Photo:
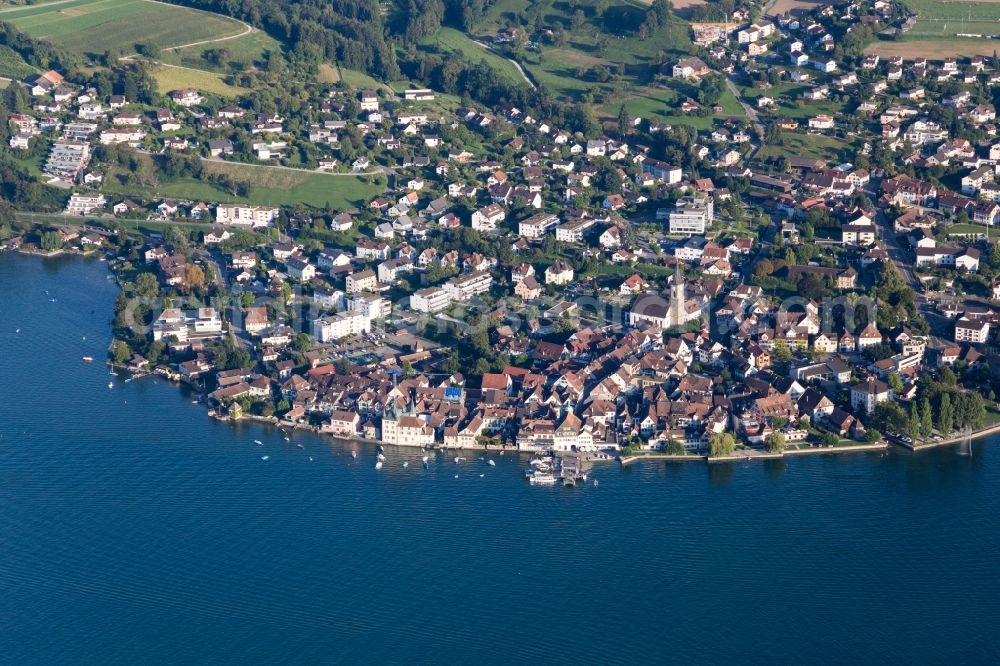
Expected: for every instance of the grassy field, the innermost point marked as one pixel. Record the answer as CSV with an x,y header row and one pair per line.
x,y
811,146
269,186
450,39
589,44
946,19
94,26
244,52
328,73
174,78
790,101
663,104
361,81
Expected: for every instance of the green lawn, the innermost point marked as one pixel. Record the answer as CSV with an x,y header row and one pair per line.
x,y
945,19
244,52
269,186
94,26
449,39
961,229
812,146
663,103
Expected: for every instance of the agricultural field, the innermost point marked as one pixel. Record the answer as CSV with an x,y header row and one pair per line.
x,y
328,73
94,26
174,78
12,65
270,186
361,81
934,49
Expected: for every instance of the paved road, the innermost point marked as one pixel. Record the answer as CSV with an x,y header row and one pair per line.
x,y
897,254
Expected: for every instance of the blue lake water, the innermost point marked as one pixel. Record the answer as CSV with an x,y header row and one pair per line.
x,y
134,529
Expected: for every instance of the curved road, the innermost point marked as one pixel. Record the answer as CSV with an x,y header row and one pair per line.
x,y
517,65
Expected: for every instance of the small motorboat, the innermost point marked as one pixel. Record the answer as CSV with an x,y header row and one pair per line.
x,y
310,459
287,440
111,385
491,463
258,442
595,483
299,446
456,476
481,475
378,465
425,459
459,459
265,457
354,454
381,457
406,463
88,359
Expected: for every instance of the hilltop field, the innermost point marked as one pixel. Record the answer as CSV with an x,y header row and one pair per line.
x,y
605,54
95,26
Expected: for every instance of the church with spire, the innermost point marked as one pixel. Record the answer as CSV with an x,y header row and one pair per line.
x,y
678,311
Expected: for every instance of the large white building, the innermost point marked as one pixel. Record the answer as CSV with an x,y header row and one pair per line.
x,y
866,395
572,232
203,322
245,216
340,325
85,204
430,300
406,431
536,225
67,160
691,216
372,306
464,287
976,331
488,217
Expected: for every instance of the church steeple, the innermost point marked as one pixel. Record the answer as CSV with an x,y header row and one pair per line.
x,y
676,314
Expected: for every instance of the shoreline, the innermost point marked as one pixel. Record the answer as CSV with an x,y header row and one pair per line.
x,y
882,445
607,455
954,439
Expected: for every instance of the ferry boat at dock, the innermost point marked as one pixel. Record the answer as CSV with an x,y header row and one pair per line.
x,y
543,479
